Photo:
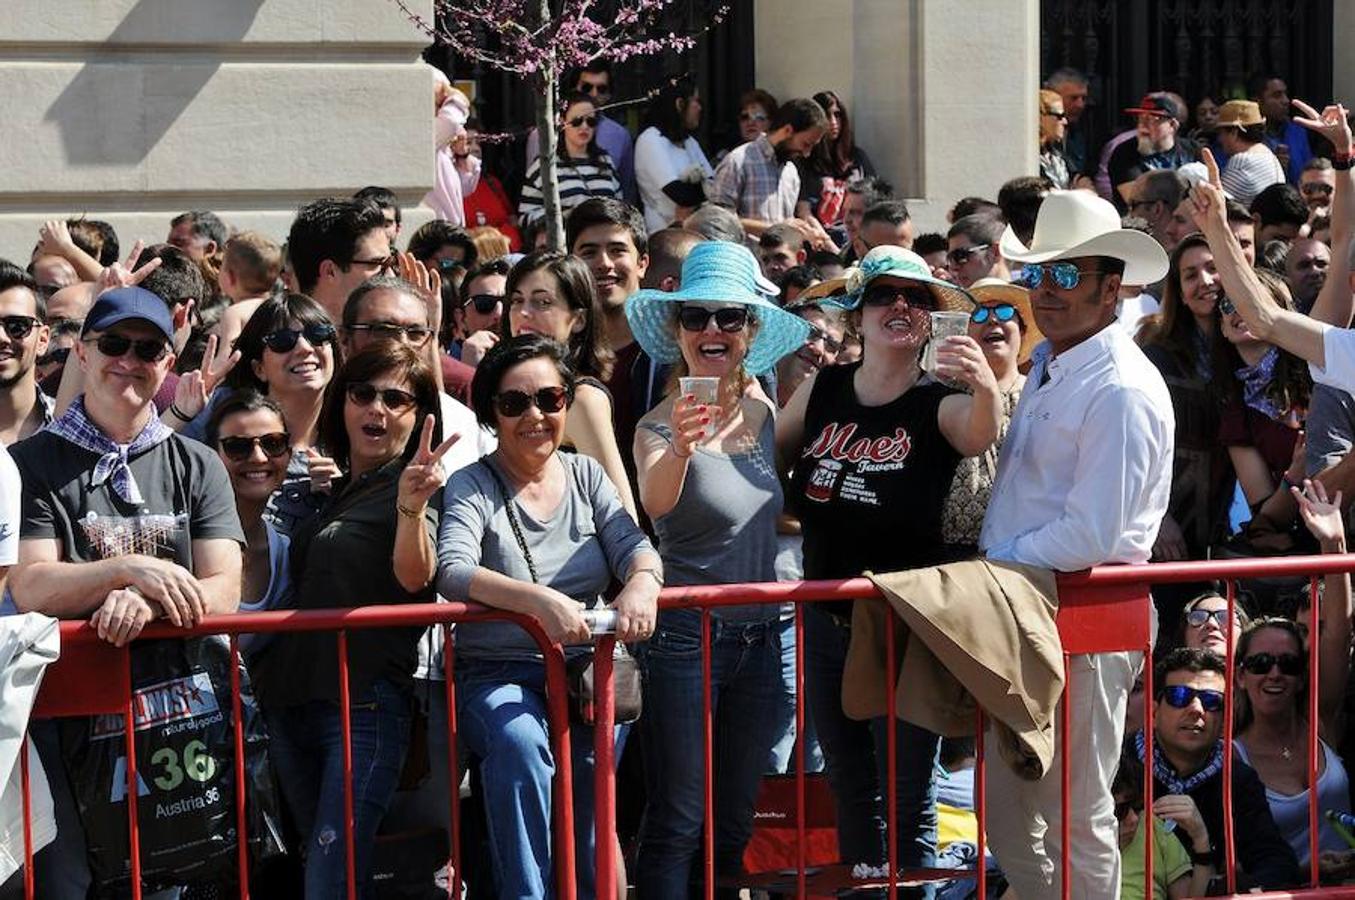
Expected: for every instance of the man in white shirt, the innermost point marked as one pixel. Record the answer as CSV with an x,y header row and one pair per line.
x,y
1083,480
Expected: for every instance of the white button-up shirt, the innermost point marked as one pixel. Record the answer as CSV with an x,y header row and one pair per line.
x,y
1338,349
1085,473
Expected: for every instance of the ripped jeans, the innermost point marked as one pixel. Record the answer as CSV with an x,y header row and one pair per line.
x,y
306,746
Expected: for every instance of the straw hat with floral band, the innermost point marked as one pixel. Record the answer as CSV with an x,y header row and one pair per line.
x,y
716,272
831,293
992,294
888,260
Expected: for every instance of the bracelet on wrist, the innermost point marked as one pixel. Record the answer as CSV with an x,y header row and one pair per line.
x,y
179,414
407,512
673,447
1342,163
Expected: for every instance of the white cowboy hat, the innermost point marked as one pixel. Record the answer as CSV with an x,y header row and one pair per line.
x,y
1079,223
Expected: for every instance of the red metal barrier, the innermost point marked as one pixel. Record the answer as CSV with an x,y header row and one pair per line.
x,y
1103,610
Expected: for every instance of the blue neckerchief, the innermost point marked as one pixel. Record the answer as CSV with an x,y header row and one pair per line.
x,y
1174,783
1256,379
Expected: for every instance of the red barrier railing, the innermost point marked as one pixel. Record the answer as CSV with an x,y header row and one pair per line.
x,y
1105,610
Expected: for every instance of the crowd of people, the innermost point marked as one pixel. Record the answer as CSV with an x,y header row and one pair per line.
x,y
728,374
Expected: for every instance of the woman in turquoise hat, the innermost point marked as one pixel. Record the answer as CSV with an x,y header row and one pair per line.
x,y
707,477
873,449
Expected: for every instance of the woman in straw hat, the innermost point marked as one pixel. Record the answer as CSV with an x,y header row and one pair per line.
x,y
874,451
1004,326
706,469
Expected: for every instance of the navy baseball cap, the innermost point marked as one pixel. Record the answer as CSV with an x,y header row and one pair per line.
x,y
1159,103
122,304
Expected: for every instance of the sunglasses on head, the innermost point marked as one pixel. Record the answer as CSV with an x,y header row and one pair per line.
x,y
484,303
512,404
728,319
113,345
579,121
1001,312
18,327
1226,306
415,334
960,255
284,339
394,399
238,448
1197,618
1179,696
1261,663
1063,275
914,295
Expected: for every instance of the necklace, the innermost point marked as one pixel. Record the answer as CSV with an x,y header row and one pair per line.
x,y
1286,754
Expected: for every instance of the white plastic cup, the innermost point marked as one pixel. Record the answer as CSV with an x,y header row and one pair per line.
x,y
706,390
945,323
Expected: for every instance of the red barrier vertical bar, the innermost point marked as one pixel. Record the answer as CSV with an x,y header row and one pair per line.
x,y
241,827
891,752
28,820
708,758
1065,775
346,724
604,767
129,744
453,761
981,803
801,848
1229,851
1146,818
1314,640
557,712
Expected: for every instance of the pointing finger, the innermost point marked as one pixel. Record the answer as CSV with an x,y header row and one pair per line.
x,y
1305,109
1211,166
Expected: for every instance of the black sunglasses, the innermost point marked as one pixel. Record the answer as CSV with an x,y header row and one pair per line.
x,y
450,265
1261,663
284,339
1315,187
1002,312
114,345
56,356
1179,696
415,334
18,327
586,87
728,319
753,117
1124,807
385,262
273,445
512,404
394,399
590,121
1198,618
484,303
830,343
916,296
960,255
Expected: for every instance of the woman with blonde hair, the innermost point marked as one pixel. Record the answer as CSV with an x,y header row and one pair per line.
x,y
1053,131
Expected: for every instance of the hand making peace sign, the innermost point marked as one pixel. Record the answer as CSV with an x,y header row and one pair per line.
x,y
424,473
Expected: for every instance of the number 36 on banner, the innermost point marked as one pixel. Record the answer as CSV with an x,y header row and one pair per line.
x,y
168,770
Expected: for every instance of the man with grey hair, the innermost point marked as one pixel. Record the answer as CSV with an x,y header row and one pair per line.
x,y
1071,85
972,249
716,223
1154,197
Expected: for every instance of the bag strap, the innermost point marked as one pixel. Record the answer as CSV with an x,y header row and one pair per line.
x,y
513,521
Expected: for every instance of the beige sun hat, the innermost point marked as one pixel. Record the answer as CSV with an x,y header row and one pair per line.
x,y
1071,224
988,291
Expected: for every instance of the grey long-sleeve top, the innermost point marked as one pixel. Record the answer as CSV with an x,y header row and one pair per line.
x,y
587,542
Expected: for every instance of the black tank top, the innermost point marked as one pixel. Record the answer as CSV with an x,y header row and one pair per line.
x,y
870,481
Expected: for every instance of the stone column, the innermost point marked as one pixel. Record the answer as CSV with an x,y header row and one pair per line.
x,y
943,95
136,110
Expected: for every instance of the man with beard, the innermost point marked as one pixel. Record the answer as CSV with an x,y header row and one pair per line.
x,y
23,338
759,180
1156,146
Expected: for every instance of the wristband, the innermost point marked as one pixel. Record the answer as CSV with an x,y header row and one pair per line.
x,y
406,512
179,414
1342,163
1200,857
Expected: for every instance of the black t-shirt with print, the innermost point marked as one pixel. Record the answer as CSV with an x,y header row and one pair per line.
x,y
871,480
186,492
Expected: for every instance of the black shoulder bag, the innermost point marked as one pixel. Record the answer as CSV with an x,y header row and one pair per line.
x,y
579,669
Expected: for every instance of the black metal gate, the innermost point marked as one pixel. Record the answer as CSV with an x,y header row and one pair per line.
x,y
1192,47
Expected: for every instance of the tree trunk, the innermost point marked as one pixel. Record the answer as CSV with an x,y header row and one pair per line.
x,y
545,128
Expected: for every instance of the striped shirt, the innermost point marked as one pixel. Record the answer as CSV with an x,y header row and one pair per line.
x,y
578,180
755,185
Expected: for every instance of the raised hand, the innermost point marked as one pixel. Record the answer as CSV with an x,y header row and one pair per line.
x,y
1208,203
54,238
689,422
196,385
127,274
428,283
323,470
959,358
424,473
474,347
1331,123
1321,514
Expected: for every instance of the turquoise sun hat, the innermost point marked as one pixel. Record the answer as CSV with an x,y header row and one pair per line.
x,y
897,262
717,272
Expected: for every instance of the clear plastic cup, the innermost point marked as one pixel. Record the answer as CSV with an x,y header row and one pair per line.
x,y
706,390
944,324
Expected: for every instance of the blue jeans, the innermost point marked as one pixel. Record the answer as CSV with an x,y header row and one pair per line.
x,y
856,754
501,711
306,746
748,707
783,751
